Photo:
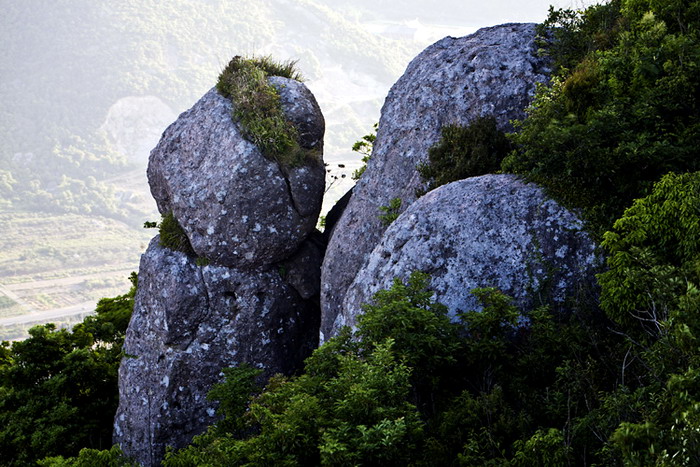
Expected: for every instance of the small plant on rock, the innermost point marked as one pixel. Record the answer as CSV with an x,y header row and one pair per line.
x,y
364,147
391,211
257,106
172,235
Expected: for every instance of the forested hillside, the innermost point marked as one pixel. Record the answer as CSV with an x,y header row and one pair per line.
x,y
66,63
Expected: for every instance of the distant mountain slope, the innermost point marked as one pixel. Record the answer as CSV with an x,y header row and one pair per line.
x,y
87,88
65,63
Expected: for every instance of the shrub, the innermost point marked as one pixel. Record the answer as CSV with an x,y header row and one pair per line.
x,y
465,151
113,457
567,36
173,236
621,116
257,107
58,388
364,147
654,253
390,211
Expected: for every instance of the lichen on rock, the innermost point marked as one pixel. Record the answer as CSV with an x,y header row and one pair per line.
x,y
237,277
188,323
238,208
488,231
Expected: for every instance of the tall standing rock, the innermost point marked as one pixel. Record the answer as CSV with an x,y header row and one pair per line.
x,y
488,231
250,292
492,72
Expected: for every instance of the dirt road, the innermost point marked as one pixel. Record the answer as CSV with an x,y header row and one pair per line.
x,y
49,315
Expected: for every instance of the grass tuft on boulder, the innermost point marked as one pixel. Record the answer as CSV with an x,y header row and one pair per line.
x,y
257,106
173,236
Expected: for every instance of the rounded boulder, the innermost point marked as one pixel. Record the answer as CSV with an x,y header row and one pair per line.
x,y
489,231
237,207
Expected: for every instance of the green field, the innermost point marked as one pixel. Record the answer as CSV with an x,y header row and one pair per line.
x,y
50,262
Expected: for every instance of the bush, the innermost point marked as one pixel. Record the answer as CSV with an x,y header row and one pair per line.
x,y
172,235
622,116
465,151
58,388
364,147
652,290
654,253
390,212
568,36
113,457
412,387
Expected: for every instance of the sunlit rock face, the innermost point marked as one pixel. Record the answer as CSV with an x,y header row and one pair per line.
x,y
488,231
239,208
191,321
492,72
248,294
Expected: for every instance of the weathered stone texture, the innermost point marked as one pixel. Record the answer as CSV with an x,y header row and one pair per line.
x,y
257,300
189,322
239,208
492,72
488,231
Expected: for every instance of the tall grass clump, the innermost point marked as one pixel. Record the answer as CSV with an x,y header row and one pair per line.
x,y
173,236
257,106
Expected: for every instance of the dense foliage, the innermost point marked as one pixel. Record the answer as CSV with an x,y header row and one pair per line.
x,y
465,151
653,290
623,109
58,388
410,386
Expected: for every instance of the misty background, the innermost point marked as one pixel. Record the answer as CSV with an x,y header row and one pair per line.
x,y
87,88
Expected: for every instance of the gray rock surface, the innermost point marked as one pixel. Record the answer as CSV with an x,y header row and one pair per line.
x,y
491,72
488,231
238,208
302,110
189,322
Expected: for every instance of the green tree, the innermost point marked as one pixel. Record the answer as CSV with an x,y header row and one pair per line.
x,y
654,253
602,132
465,151
58,388
652,291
